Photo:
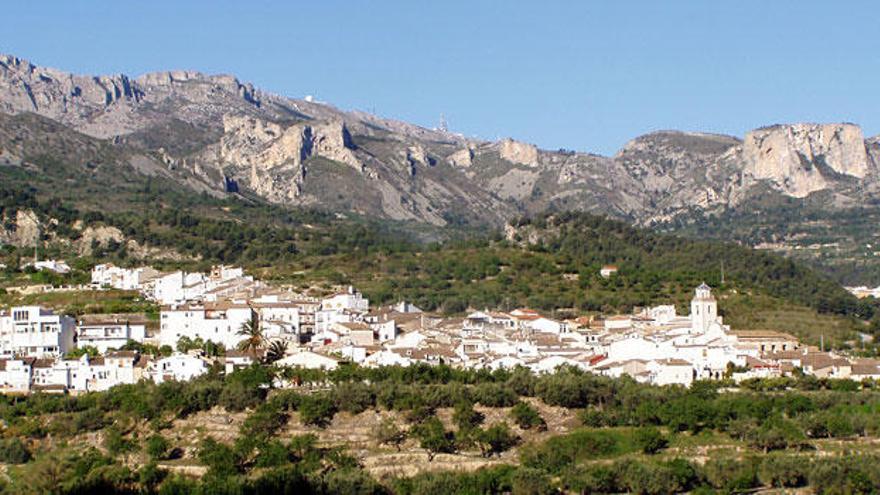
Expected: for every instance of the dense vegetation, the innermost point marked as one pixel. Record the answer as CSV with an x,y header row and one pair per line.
x,y
552,263
632,437
838,242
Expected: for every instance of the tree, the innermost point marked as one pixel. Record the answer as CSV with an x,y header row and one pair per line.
x,y
317,410
252,332
465,417
434,438
14,451
496,439
388,433
157,447
526,417
650,440
276,351
221,460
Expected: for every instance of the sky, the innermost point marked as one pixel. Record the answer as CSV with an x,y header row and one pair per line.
x,y
579,75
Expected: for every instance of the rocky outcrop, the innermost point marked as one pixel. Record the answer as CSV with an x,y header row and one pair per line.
x,y
59,95
518,152
333,141
274,155
215,134
22,230
804,158
98,236
461,158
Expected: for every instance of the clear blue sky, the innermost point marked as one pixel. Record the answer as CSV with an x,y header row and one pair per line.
x,y
578,75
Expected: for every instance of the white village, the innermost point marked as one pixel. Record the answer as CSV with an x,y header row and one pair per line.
x,y
652,345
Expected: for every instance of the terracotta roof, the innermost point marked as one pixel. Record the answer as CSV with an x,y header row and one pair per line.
x,y
673,362
123,354
51,386
865,369
113,319
43,363
762,334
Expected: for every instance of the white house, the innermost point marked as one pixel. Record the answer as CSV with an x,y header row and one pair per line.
x,y
178,287
309,360
109,275
178,367
671,371
218,322
15,374
547,325
618,322
37,332
106,332
350,299
607,271
386,358
57,266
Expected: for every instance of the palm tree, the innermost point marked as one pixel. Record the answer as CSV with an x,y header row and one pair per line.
x,y
277,350
253,335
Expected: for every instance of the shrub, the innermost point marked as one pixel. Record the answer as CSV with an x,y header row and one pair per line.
x,y
496,439
433,437
316,410
14,451
495,395
731,475
354,397
783,471
157,447
352,481
465,417
272,454
528,481
389,433
115,442
526,417
649,440
264,422
221,459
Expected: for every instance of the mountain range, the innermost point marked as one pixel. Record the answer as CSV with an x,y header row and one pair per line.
x,y
216,135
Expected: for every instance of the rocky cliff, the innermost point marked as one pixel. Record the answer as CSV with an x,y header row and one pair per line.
x,y
803,158
217,134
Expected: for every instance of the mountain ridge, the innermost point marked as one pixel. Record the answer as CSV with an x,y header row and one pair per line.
x,y
228,136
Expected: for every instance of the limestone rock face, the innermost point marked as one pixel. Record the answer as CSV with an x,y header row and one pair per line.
x,y
802,158
461,158
519,152
23,230
59,95
332,141
274,154
101,236
215,134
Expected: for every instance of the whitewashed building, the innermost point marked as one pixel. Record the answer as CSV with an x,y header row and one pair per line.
x,y
178,367
218,322
36,332
107,332
109,275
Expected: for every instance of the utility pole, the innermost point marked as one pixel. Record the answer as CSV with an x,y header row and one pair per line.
x,y
722,272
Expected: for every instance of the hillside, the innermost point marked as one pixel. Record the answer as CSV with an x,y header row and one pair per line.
x,y
100,140
437,430
549,262
218,133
